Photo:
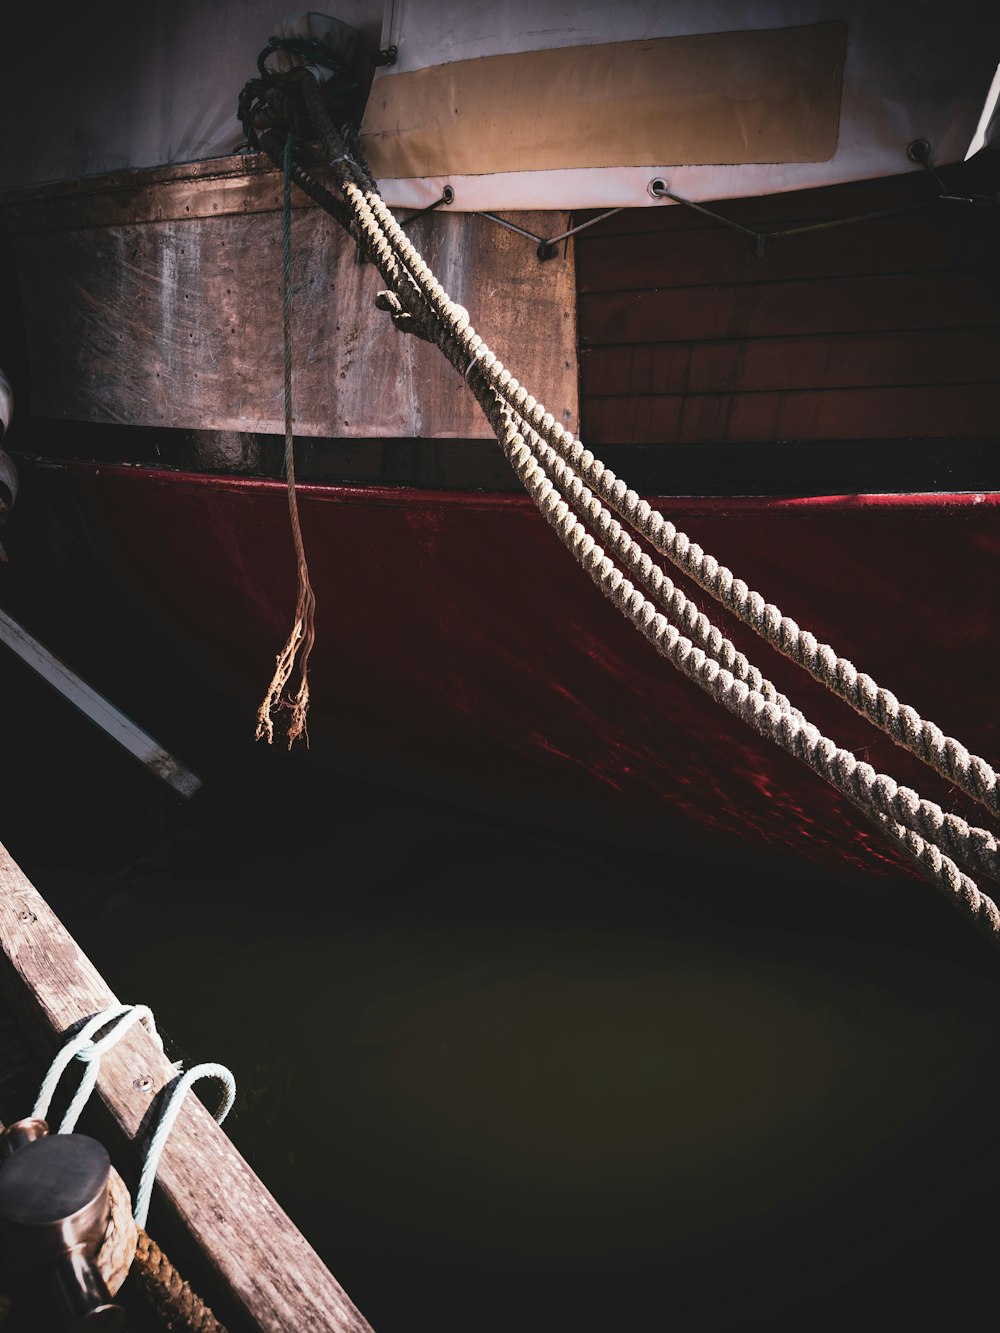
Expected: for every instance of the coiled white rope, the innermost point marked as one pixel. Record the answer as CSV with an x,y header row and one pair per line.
x,y
87,1047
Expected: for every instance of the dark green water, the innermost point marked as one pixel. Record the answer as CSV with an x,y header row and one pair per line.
x,y
506,1081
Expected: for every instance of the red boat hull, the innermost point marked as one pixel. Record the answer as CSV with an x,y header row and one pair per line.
x,y
459,648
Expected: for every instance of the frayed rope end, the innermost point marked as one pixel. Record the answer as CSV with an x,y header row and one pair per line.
x,y
275,701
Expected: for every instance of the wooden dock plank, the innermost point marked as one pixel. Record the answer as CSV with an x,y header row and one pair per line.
x,y
274,1276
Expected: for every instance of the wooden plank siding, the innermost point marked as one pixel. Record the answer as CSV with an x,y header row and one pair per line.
x,y
887,328
152,298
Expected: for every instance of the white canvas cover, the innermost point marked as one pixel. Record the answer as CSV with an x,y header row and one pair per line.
x,y
113,84
913,69
121,83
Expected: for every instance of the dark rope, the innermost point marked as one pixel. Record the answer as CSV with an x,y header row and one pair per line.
x,y
286,301
313,52
273,144
168,1293
300,641
274,101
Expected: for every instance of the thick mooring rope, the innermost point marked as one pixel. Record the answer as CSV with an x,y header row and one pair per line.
x,y
902,723
787,729
534,442
976,846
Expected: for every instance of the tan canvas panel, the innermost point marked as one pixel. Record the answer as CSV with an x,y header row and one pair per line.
x,y
730,97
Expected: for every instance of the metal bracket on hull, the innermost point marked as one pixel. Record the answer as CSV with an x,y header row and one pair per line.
x,y
546,245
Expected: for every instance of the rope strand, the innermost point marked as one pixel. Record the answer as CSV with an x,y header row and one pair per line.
x,y
300,641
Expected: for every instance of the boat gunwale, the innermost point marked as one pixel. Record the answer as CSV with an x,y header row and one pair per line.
x,y
422,497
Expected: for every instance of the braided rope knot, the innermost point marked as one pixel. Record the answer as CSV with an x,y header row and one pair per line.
x,y
404,320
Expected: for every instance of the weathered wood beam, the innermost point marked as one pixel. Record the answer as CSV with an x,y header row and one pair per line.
x,y
273,1276
95,706
170,313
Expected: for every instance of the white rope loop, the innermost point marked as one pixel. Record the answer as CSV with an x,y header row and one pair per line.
x,y
82,1046
168,1116
88,1047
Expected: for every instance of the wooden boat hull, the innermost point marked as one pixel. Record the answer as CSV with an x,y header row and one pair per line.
x,y
848,372
460,650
